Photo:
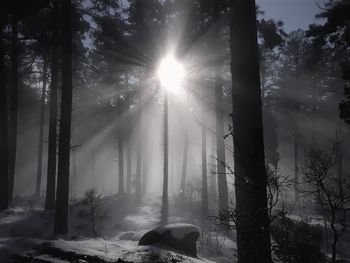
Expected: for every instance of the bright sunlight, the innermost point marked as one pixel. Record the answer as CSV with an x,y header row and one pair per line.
x,y
171,73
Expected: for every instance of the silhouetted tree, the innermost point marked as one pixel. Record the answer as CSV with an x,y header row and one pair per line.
x,y
52,147
4,175
61,209
252,222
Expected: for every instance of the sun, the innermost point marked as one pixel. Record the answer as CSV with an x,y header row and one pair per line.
x,y
171,73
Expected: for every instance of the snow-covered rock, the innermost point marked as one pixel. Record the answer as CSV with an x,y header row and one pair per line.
x,y
181,237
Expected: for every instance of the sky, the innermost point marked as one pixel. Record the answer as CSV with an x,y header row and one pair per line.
x,y
294,13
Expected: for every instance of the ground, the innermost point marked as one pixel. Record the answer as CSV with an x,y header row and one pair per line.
x,y
26,232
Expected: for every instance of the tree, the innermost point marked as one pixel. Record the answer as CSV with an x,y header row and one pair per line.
x,y
253,234
52,148
331,192
13,112
219,113
61,211
41,129
4,175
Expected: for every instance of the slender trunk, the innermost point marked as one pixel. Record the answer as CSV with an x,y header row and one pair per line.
x,y
128,167
13,104
220,144
138,186
204,172
145,158
41,132
121,165
144,167
296,163
166,164
252,222
213,172
138,173
52,147
184,166
4,175
61,212
335,237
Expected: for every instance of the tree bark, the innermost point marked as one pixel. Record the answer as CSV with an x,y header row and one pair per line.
x,y
13,104
4,175
253,233
41,131
52,147
61,212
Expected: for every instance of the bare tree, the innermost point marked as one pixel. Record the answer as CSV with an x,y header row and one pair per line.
x,y
332,193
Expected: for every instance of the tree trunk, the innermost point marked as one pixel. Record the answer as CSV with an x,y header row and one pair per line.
x,y
138,185
61,213
121,164
204,172
128,167
184,165
252,222
13,104
4,175
52,148
166,162
220,144
213,172
296,163
41,131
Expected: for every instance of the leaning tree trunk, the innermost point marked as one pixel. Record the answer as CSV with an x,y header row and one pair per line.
x,y
61,211
41,132
252,222
4,175
13,104
52,148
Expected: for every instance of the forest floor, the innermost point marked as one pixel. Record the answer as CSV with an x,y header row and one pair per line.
x,y
26,234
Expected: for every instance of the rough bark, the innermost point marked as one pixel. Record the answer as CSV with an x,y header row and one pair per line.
x,y
52,147
41,131
13,103
4,175
253,235
61,211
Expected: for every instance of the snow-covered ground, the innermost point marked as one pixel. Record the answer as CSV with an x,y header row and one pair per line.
x,y
28,231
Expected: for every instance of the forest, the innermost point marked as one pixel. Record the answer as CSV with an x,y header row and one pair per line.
x,y
173,131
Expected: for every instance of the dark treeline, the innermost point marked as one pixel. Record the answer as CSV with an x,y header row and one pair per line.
x,y
260,131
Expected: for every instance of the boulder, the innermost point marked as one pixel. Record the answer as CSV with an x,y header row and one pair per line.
x,y
181,237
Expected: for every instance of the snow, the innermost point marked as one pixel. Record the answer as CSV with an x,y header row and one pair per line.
x,y
24,229
111,251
